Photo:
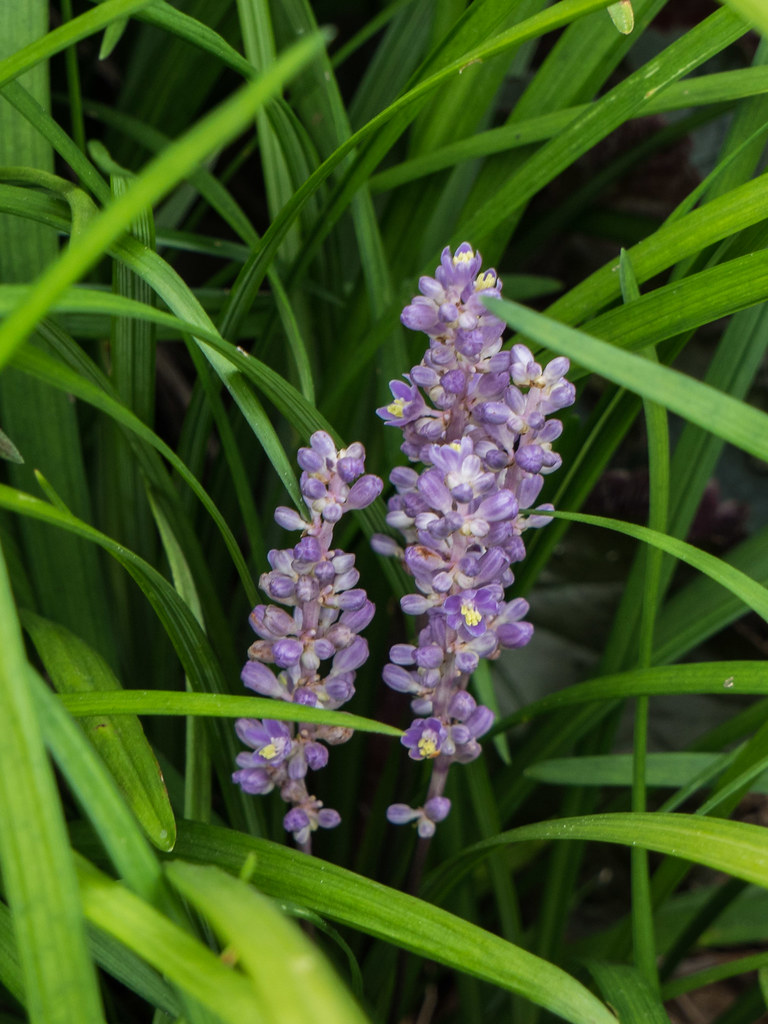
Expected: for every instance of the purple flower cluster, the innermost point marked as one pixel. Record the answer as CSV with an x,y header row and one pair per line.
x,y
475,416
312,641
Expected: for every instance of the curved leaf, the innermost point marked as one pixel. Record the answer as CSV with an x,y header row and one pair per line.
x,y
74,667
294,982
403,920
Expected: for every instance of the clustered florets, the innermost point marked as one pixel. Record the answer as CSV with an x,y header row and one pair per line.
x,y
475,417
326,611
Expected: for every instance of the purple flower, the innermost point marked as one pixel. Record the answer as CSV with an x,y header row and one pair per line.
x,y
319,583
424,739
468,611
476,418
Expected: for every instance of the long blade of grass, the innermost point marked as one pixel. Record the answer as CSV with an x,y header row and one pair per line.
x,y
193,968
293,981
385,913
716,677
157,179
214,705
74,667
38,871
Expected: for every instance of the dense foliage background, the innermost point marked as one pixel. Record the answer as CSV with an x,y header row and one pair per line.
x,y
213,212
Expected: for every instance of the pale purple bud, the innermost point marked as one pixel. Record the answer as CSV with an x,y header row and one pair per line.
x,y
308,550
306,589
349,469
461,706
289,519
401,814
437,808
322,442
351,657
467,661
514,634
364,491
357,619
402,654
255,781
312,488
295,820
398,679
415,604
332,512
316,755
261,679
328,818
309,460
287,652
480,721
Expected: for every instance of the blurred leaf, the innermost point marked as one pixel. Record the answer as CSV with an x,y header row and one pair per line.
x,y
38,872
8,449
293,981
183,960
385,913
74,667
628,993
622,16
217,705
721,677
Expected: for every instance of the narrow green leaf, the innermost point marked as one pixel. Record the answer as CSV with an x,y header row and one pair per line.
x,y
663,770
293,981
628,994
74,667
752,11
214,705
182,959
66,35
157,179
717,677
403,920
8,449
734,847
622,16
38,872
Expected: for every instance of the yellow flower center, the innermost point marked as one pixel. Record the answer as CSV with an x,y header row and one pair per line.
x,y
428,747
463,257
472,616
269,751
396,408
455,445
486,280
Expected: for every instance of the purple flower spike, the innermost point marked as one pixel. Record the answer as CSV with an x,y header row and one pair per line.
x,y
319,584
475,417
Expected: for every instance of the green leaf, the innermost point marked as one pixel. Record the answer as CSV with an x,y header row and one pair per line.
x,y
664,770
293,981
734,847
628,994
74,667
38,872
719,677
622,16
181,959
156,179
8,449
752,11
215,705
403,920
